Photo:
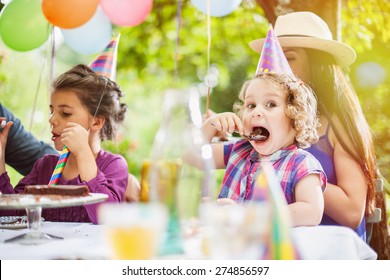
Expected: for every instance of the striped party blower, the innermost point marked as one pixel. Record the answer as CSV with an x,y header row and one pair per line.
x,y
55,177
267,187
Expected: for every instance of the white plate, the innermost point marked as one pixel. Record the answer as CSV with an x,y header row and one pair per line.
x,y
19,201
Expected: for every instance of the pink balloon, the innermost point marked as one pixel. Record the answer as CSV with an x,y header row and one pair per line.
x,y
127,12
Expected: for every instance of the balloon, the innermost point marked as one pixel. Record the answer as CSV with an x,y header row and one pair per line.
x,y
69,13
91,37
127,12
218,8
23,26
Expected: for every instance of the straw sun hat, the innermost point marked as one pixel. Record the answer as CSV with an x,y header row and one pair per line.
x,y
307,30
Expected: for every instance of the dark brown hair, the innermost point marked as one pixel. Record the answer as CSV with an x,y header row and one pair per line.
x,y
337,97
98,94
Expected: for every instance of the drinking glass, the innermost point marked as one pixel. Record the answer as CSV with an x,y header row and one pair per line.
x,y
236,231
181,164
134,231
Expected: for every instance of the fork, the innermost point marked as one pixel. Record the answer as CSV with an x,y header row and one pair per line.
x,y
10,220
253,137
257,137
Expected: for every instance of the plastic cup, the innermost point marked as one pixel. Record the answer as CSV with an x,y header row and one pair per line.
x,y
134,231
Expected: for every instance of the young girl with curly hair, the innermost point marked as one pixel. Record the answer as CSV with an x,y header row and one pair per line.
x,y
277,117
345,148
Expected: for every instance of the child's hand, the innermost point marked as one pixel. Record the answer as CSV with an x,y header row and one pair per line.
x,y
75,137
226,201
224,122
4,130
222,136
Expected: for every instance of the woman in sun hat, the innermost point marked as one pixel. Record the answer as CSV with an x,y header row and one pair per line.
x,y
345,149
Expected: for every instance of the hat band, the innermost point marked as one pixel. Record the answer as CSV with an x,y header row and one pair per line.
x,y
303,36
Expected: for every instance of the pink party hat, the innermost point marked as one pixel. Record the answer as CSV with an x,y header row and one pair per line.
x,y
272,58
105,63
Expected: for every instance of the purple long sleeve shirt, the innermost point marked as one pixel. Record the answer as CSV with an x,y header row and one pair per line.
x,y
111,179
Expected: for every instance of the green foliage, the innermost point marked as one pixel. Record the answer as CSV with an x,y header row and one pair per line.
x,y
366,27
152,58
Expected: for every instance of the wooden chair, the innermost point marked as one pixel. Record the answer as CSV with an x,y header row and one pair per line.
x,y
377,227
376,216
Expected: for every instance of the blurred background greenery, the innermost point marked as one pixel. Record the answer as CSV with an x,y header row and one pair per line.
x,y
152,57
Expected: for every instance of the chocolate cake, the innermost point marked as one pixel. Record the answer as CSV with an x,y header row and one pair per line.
x,y
57,190
256,131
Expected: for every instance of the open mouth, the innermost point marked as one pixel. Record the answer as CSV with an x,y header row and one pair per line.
x,y
259,134
54,136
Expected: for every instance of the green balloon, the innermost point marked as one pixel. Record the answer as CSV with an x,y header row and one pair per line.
x,y
23,26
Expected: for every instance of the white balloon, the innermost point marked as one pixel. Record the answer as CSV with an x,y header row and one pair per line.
x,y
218,8
92,37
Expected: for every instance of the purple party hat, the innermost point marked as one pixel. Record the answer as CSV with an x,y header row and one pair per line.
x,y
272,58
105,63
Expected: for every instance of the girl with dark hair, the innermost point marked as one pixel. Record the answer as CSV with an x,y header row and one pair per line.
x,y
85,109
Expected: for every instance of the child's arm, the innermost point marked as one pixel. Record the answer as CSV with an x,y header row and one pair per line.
x,y
308,208
226,201
112,179
133,189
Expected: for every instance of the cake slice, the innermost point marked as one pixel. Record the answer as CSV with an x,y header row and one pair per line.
x,y
57,190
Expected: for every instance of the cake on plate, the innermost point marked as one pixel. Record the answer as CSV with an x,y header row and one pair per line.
x,y
57,190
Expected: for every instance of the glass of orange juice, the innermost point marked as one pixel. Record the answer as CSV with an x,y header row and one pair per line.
x,y
134,231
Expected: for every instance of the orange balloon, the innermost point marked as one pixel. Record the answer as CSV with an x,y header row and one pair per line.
x,y
69,13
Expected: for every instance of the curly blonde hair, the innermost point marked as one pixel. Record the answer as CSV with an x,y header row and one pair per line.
x,y
301,105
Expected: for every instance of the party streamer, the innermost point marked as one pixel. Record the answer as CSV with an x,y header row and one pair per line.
x,y
267,187
55,177
208,56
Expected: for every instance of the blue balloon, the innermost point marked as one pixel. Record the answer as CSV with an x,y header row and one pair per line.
x,y
92,37
218,8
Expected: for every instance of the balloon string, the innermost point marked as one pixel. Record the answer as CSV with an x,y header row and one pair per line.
x,y
36,97
40,79
208,56
208,35
177,43
53,51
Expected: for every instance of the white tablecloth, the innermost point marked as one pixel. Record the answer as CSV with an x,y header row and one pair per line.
x,y
86,241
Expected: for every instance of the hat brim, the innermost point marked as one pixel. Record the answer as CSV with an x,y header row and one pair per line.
x,y
343,54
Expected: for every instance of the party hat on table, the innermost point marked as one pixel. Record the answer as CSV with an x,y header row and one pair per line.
x,y
55,177
272,58
267,187
105,63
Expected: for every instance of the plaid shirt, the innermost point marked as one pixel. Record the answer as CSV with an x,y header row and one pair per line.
x,y
242,161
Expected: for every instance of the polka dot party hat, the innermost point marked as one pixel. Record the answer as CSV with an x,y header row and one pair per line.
x,y
272,58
